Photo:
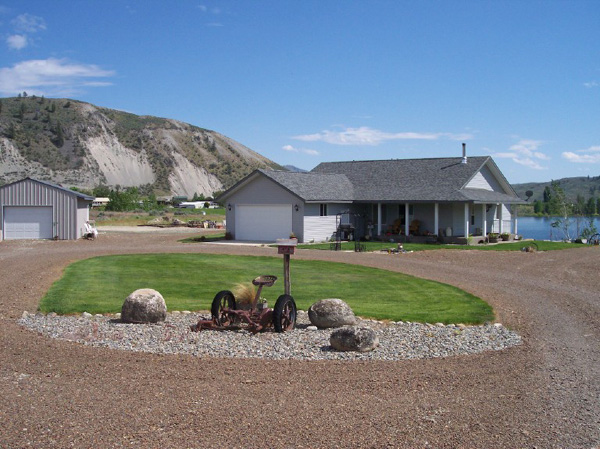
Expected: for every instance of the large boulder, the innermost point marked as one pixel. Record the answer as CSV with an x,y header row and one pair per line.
x,y
144,306
331,313
354,338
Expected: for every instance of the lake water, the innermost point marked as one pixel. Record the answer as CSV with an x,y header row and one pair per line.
x,y
539,228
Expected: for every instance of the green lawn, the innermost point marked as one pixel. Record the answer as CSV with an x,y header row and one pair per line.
x,y
511,246
190,281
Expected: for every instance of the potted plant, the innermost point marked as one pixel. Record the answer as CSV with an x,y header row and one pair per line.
x,y
505,236
262,304
493,237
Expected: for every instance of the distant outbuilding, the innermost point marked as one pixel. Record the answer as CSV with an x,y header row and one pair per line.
x,y
33,209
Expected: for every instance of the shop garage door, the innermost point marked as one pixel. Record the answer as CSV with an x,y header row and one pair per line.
x,y
263,222
27,222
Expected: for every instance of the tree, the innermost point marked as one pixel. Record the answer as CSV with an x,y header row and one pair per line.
x,y
59,140
579,206
538,207
529,194
123,200
547,194
101,191
22,110
559,206
590,206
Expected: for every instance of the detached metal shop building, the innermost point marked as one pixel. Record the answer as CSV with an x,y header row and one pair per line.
x,y
33,209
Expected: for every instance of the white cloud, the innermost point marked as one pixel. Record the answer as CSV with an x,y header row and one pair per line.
x,y
293,149
591,84
17,41
588,156
525,152
26,23
50,77
369,136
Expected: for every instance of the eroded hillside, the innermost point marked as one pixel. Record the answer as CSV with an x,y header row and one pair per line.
x,y
79,144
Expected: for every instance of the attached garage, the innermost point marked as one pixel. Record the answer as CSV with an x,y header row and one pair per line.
x,y
263,222
33,209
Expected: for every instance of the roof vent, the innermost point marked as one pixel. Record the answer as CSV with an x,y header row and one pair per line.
x,y
464,158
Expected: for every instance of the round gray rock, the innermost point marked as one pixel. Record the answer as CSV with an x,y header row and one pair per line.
x,y
353,338
331,313
144,306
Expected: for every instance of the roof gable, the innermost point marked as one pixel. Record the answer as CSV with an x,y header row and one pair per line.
x,y
305,185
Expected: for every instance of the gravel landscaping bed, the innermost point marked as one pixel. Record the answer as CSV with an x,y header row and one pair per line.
x,y
398,340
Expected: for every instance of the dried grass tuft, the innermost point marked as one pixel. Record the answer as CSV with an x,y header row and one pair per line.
x,y
244,293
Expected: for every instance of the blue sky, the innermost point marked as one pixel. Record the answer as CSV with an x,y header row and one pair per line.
x,y
303,82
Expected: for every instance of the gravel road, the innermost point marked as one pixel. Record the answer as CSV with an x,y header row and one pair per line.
x,y
544,393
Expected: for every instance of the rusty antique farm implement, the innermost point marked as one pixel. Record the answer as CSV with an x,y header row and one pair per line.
x,y
227,314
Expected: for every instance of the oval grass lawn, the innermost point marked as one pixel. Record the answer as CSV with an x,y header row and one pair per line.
x,y
190,282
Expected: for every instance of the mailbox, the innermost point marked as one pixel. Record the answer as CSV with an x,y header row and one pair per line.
x,y
286,246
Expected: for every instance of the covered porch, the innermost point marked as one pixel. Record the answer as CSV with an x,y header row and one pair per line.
x,y
447,222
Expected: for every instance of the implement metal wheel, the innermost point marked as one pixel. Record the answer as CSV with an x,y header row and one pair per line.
x,y
531,247
594,240
223,300
284,314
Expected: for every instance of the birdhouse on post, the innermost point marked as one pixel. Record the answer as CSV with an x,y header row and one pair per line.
x,y
286,247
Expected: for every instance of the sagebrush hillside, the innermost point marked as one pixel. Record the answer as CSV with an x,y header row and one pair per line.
x,y
82,145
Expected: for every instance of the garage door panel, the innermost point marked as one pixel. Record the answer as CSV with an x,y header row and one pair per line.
x,y
27,222
263,222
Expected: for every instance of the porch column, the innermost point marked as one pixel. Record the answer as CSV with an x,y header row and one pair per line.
x,y
515,225
436,219
466,219
484,212
406,220
378,218
500,219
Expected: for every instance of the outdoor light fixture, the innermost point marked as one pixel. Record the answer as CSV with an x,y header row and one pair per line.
x,y
228,206
296,207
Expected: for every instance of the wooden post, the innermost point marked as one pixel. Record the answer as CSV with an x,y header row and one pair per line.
x,y
286,274
286,247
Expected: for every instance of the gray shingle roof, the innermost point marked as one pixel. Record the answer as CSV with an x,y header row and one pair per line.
x,y
394,181
435,179
314,186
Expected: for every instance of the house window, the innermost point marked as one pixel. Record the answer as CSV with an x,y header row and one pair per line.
x,y
323,210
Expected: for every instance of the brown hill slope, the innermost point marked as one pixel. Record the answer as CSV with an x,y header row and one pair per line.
x,y
82,145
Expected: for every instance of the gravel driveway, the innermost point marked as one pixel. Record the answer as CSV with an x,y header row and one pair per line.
x,y
544,393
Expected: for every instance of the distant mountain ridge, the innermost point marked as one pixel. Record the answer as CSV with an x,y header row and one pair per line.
x,y
81,145
586,186
294,169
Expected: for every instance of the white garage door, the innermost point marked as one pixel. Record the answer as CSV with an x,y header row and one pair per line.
x,y
27,222
263,222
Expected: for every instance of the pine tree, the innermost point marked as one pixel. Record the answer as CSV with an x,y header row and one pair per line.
x,y
59,140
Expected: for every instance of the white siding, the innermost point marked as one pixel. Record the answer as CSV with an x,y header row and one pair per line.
x,y
319,229
485,180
